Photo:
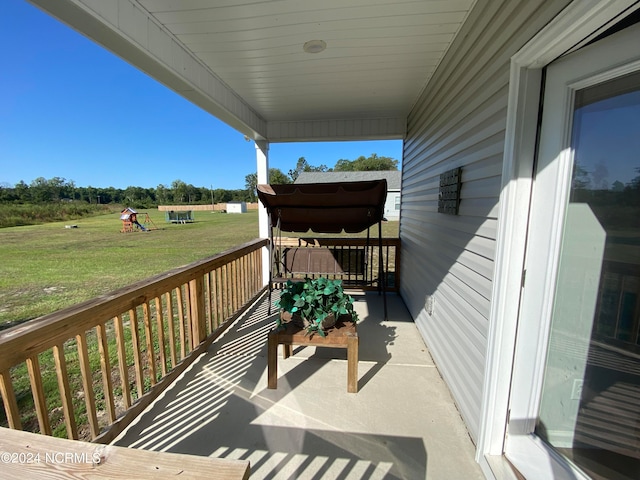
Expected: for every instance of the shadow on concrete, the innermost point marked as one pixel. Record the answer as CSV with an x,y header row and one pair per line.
x,y
221,407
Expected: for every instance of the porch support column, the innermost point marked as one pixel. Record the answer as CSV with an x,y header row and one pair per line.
x,y
262,160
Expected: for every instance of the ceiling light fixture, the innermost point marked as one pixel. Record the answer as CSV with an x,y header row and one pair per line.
x,y
314,46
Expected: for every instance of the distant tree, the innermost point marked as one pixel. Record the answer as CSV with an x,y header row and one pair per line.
x,y
277,177
251,182
303,166
221,195
58,188
366,164
179,189
7,193
92,194
40,191
191,194
635,182
23,193
617,186
162,194
581,178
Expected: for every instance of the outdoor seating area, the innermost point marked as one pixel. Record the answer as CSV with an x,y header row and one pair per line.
x,y
310,426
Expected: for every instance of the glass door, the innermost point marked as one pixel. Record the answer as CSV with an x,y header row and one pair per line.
x,y
575,407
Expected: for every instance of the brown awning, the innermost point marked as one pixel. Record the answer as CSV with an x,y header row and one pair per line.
x,y
325,207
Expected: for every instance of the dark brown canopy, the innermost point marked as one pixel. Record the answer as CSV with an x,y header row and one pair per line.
x,y
325,207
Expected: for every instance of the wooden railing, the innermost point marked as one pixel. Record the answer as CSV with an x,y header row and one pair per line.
x,y
357,260
36,457
92,368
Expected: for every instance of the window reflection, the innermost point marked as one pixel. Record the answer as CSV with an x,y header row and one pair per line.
x,y
591,396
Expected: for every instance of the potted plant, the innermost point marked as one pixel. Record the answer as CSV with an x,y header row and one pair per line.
x,y
315,303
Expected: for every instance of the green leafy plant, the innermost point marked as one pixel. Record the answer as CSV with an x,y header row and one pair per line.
x,y
313,300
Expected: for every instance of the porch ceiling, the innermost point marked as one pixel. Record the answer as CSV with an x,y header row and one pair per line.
x,y
243,60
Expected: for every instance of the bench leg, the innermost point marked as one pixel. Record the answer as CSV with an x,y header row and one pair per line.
x,y
287,350
352,363
272,360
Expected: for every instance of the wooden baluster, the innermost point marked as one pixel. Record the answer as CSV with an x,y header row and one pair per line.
x,y
135,345
233,290
198,319
257,272
235,279
249,274
209,312
148,331
183,340
39,400
247,277
171,328
219,293
188,329
161,339
105,367
87,384
223,293
214,297
65,391
9,400
228,283
242,274
122,362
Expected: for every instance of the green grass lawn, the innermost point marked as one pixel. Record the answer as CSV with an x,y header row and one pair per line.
x,y
48,267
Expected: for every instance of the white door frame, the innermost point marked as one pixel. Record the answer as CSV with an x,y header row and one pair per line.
x,y
580,20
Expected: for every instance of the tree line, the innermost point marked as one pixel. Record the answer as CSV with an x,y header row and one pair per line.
x,y
60,190
57,189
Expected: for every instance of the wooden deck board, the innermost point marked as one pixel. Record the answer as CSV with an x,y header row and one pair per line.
x,y
33,456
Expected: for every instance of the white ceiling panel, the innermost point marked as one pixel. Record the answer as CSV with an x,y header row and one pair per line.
x,y
379,53
243,60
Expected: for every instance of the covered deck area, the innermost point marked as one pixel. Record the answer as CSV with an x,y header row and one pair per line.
x,y
402,423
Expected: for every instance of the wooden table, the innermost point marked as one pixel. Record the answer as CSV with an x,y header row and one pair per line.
x,y
342,335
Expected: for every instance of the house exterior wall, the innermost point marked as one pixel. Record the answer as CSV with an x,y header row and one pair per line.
x,y
448,261
390,210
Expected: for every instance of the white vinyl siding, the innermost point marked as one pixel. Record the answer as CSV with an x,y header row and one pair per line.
x,y
459,121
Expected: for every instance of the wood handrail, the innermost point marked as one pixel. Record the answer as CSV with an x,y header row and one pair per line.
x,y
28,455
336,241
191,295
23,341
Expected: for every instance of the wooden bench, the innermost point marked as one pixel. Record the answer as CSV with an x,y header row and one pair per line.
x,y
346,264
342,335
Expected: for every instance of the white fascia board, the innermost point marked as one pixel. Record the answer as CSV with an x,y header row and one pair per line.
x,y
128,31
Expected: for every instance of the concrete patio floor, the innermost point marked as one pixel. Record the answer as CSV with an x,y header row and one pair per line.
x,y
402,423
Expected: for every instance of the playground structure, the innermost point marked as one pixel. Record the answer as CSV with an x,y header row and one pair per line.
x,y
130,221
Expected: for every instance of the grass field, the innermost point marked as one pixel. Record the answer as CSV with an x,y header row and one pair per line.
x,y
45,268
48,267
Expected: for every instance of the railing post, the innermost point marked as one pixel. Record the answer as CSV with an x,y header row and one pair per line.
x,y
198,316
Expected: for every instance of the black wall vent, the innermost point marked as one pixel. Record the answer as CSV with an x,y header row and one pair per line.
x,y
449,196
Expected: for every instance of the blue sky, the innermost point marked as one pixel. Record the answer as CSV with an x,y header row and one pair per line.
x,y
71,109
